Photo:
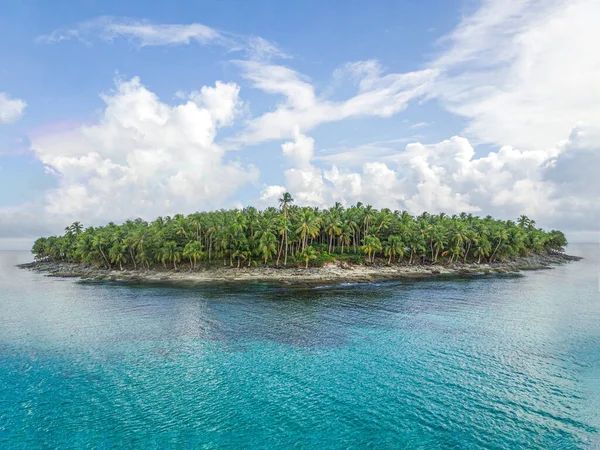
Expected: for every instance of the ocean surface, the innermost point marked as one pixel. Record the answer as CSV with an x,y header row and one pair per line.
x,y
496,362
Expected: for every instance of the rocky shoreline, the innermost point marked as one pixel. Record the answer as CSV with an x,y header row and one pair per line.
x,y
332,273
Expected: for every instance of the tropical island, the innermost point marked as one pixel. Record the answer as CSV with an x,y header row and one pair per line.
x,y
293,244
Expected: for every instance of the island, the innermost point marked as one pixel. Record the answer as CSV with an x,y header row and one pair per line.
x,y
299,245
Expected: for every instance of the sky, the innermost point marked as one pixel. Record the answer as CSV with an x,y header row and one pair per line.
x,y
113,110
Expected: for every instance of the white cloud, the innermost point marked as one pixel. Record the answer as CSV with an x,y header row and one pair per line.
x,y
378,95
352,157
303,179
548,185
144,33
419,125
574,174
522,71
10,109
147,34
271,193
144,157
301,151
260,49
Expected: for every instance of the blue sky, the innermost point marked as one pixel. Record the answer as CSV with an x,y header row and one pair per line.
x,y
412,105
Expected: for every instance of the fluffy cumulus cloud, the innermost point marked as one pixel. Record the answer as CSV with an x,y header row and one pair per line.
x,y
546,184
523,73
574,175
11,109
526,77
144,157
313,186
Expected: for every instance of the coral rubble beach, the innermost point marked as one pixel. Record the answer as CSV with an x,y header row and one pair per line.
x,y
331,273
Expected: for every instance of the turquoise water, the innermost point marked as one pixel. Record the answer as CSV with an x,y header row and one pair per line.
x,y
499,362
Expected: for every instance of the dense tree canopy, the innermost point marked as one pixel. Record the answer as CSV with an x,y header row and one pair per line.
x,y
300,236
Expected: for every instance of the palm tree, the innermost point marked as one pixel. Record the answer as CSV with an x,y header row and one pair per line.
x,y
307,255
372,244
274,233
193,251
285,200
352,226
118,254
170,253
499,235
267,245
283,231
368,215
481,248
345,237
525,222
333,228
438,240
99,243
180,226
308,227
76,228
394,248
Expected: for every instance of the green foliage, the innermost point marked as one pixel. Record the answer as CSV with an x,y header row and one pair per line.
x,y
309,236
322,258
357,260
307,255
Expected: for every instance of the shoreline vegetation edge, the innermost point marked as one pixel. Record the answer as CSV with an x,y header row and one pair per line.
x,y
332,273
314,246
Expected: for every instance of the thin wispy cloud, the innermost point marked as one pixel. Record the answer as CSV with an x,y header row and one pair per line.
x,y
143,33
523,72
379,95
419,125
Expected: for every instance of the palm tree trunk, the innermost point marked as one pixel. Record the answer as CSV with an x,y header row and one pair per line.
x,y
279,251
495,250
467,252
286,249
132,258
105,258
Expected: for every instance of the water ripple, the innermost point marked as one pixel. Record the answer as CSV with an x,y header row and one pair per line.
x,y
492,362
